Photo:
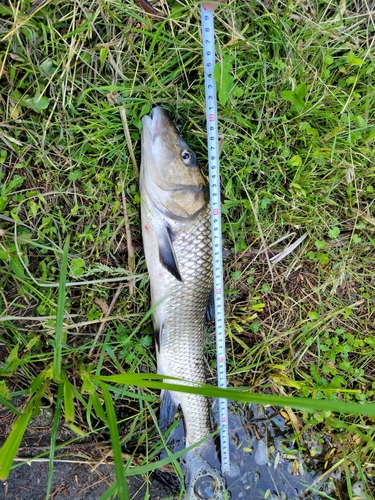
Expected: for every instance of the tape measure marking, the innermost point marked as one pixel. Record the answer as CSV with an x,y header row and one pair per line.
x,y
208,39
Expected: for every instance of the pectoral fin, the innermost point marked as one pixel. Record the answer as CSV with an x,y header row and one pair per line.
x,y
167,255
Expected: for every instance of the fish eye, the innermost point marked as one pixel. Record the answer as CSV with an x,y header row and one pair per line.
x,y
188,157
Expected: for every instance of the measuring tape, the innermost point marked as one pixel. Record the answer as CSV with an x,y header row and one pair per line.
x,y
208,39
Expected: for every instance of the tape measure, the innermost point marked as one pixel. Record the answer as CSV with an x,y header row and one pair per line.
x,y
208,40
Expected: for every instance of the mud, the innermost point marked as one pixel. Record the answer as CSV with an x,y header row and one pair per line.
x,y
80,481
73,481
82,469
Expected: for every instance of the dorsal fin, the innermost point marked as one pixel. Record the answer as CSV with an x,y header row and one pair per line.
x,y
167,255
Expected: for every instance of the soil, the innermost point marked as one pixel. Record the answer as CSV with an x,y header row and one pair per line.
x,y
72,481
82,470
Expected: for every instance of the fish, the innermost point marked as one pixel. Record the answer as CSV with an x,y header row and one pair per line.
x,y
176,230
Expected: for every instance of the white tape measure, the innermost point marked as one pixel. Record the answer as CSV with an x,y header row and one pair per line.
x,y
208,40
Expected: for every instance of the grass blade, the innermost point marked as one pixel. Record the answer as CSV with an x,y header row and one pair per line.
x,y
108,494
305,404
8,405
60,314
68,401
122,487
142,469
55,427
12,443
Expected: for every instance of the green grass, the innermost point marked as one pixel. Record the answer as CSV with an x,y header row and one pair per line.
x,y
297,131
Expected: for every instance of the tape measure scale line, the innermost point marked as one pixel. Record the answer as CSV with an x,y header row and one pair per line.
x,y
208,40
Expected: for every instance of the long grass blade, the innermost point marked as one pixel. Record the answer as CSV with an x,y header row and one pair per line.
x,y
239,394
122,487
12,443
55,427
57,355
142,469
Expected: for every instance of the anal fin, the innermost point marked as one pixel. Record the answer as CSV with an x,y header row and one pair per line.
x,y
168,410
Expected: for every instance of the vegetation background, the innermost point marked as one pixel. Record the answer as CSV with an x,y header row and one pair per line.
x,y
297,129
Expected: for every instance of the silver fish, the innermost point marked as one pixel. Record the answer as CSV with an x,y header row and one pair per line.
x,y
177,243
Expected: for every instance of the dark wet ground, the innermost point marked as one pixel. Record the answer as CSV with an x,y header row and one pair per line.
x,y
267,464
82,470
72,482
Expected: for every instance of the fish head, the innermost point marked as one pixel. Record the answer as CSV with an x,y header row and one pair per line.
x,y
170,175
202,481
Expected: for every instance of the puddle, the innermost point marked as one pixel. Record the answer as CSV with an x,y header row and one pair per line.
x,y
266,461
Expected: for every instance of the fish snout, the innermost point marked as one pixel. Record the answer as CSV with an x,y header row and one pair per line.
x,y
159,121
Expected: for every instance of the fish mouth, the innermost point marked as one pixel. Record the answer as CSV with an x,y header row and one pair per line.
x,y
154,122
